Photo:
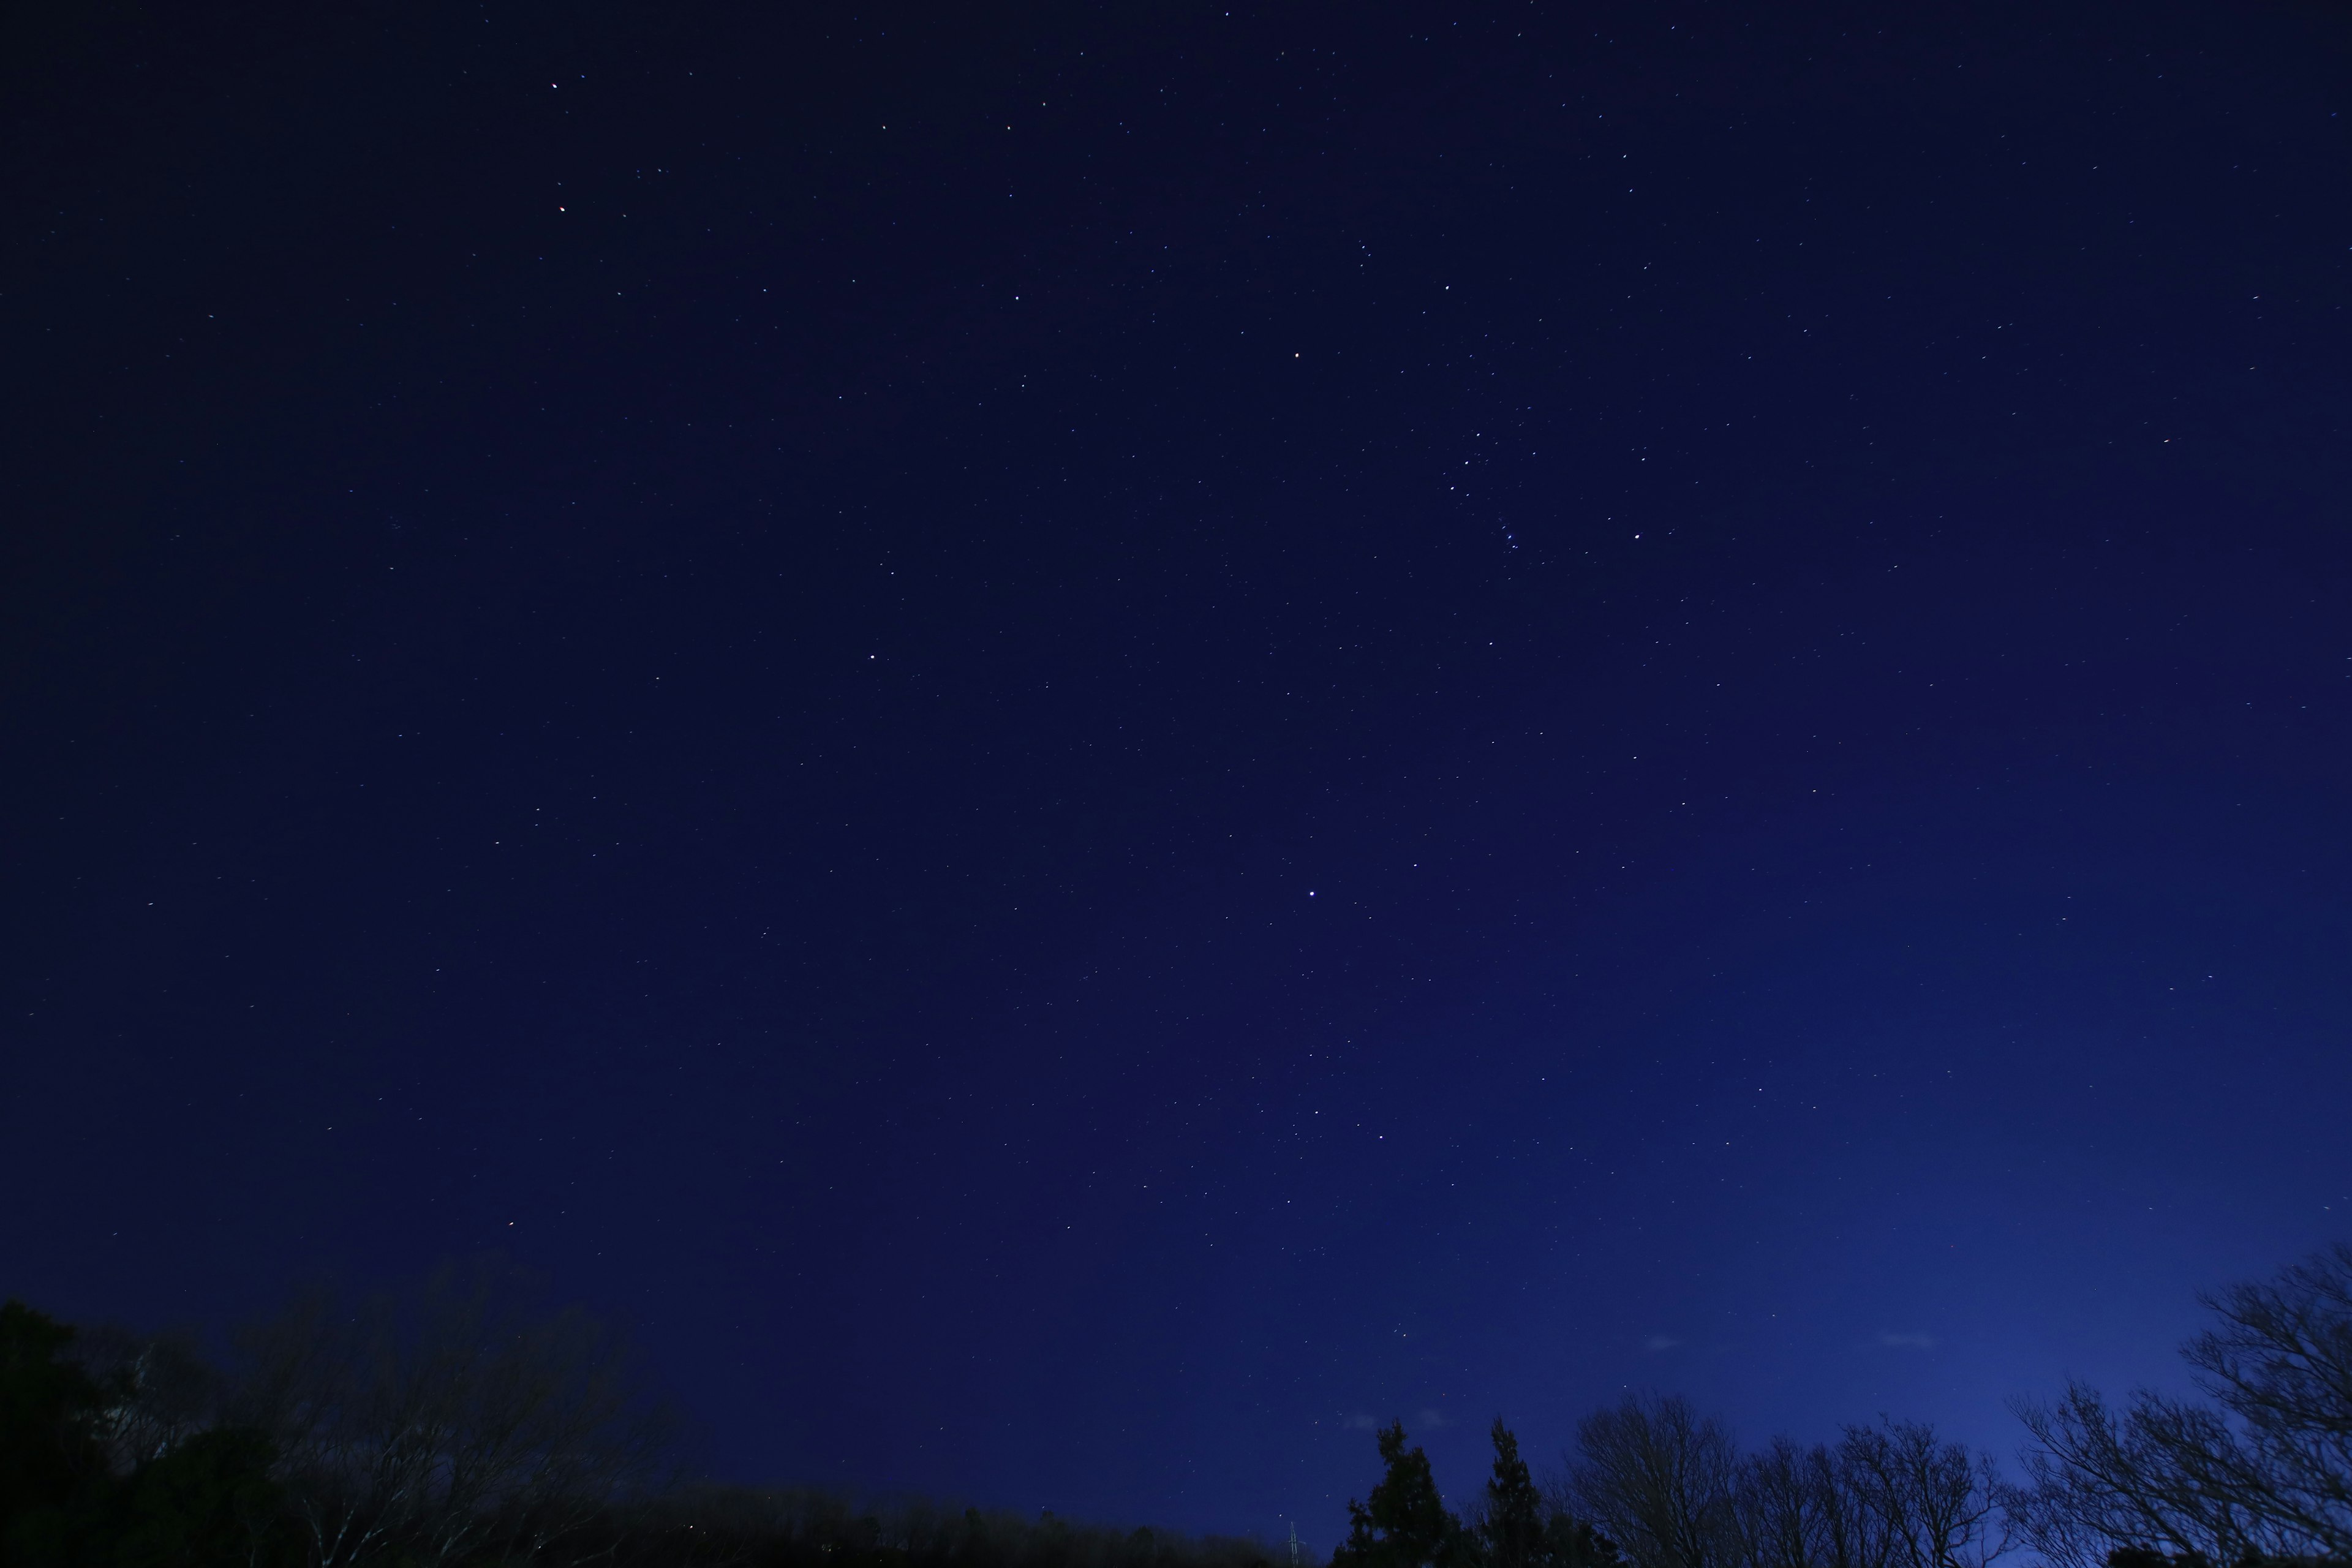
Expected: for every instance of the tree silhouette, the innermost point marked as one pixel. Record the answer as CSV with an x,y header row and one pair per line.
x,y
2263,1471
451,1421
50,1460
1511,1532
89,1474
1658,1476
209,1500
1405,1522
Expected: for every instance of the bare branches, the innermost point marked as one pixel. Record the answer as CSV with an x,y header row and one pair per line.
x,y
1783,1507
1656,1478
446,1422
1932,1505
157,1390
1889,1496
2268,1473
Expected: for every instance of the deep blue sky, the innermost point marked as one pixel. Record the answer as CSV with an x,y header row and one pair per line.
x,y
1089,743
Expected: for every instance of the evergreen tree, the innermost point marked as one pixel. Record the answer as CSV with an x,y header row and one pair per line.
x,y
1519,1528
209,1500
1512,1534
50,1460
206,1499
1404,1523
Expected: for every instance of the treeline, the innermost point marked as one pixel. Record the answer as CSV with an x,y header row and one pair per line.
x,y
2255,1474
816,1529
450,1425
453,1425
1652,1483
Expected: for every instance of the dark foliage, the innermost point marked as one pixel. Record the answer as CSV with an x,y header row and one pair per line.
x,y
1516,1524
1572,1542
1518,1527
455,1426
80,1484
210,1500
1405,1522
49,1457
807,1529
1511,1527
455,1422
1890,1496
449,1426
2142,1557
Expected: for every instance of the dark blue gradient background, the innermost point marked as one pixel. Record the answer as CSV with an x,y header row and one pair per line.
x,y
1088,743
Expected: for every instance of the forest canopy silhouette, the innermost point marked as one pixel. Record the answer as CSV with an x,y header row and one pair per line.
x,y
456,1424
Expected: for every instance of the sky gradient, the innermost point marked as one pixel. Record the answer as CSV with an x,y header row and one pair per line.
x,y
1089,744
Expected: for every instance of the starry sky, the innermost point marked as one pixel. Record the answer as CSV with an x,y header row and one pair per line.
x,y
1088,743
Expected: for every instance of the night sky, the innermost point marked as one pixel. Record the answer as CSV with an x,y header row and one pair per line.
x,y
1088,743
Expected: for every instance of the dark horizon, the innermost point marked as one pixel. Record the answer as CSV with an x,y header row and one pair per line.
x,y
1093,747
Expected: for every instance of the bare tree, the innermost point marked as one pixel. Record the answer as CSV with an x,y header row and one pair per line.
x,y
1656,1478
157,1390
1889,1496
2265,1470
1781,1505
1853,1535
451,1421
1928,1504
